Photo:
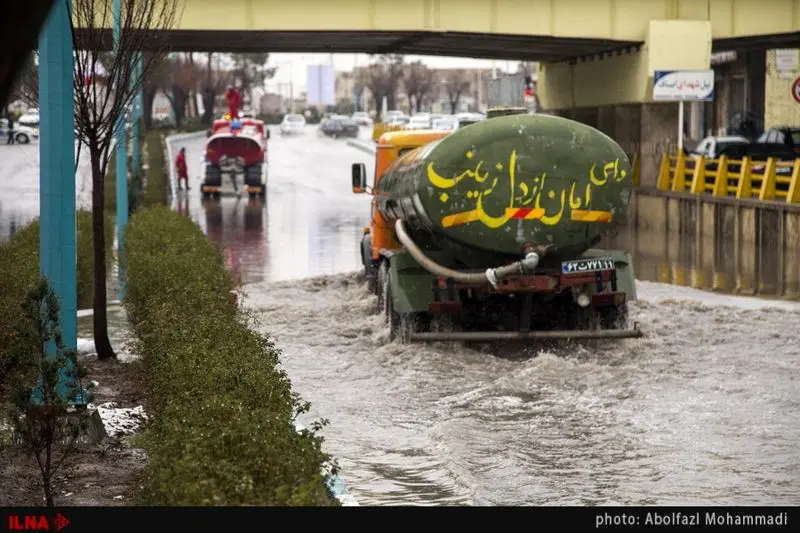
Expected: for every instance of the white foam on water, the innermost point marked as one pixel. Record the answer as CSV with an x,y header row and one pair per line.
x,y
710,389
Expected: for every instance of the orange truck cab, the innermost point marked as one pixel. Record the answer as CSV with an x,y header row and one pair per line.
x,y
390,147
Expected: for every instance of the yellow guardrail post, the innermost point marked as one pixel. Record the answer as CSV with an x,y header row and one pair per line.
x,y
744,188
679,177
793,196
768,183
699,177
721,181
637,171
664,173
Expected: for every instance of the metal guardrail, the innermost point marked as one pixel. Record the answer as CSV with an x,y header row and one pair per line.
x,y
770,180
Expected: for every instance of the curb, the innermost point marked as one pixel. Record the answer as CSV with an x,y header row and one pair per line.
x,y
365,146
82,313
335,483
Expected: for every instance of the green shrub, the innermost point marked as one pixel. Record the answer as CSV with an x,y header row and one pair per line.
x,y
155,192
222,431
19,263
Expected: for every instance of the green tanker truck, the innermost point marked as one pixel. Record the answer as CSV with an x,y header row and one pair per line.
x,y
494,226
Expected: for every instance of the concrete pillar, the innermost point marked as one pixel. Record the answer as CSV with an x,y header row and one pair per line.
x,y
57,230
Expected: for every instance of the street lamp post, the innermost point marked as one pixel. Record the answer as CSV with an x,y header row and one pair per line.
x,y
122,164
57,227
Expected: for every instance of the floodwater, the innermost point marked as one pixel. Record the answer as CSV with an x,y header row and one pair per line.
x,y
705,409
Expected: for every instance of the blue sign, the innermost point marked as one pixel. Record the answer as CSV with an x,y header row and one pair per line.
x,y
683,85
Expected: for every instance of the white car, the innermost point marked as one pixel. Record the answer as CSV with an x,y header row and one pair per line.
x,y
361,118
292,124
445,123
419,122
22,134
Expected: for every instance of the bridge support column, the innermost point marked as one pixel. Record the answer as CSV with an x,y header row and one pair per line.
x,y
613,91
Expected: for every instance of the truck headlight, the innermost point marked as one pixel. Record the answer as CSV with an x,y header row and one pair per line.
x,y
584,300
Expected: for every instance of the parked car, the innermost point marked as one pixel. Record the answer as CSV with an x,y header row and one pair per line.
x,y
392,114
22,134
782,135
398,121
361,118
449,123
713,147
339,126
418,122
292,124
757,152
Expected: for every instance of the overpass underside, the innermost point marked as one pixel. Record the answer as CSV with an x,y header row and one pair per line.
x,y
597,57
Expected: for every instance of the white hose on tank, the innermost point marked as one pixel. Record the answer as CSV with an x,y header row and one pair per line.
x,y
492,275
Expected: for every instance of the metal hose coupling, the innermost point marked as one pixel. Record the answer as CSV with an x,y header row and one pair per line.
x,y
528,264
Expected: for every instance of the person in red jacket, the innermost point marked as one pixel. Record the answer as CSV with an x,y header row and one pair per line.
x,y
234,100
183,171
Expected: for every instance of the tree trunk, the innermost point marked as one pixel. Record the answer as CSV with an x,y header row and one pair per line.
x,y
148,99
47,477
100,317
178,102
418,102
208,105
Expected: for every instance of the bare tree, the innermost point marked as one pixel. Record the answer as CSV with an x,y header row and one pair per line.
x,y
181,79
456,83
100,108
251,71
419,81
214,82
382,79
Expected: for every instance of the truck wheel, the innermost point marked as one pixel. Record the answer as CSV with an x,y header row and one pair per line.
x,y
401,325
615,317
381,285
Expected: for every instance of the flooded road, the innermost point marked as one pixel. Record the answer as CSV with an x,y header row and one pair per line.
x,y
19,186
704,410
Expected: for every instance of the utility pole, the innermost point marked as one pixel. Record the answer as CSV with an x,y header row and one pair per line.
x,y
122,164
57,227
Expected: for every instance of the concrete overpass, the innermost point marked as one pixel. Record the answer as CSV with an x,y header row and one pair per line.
x,y
597,57
533,30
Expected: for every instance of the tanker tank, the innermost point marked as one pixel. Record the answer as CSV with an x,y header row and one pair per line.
x,y
485,193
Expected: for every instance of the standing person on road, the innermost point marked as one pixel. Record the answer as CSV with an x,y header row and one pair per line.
x,y
10,139
180,167
234,99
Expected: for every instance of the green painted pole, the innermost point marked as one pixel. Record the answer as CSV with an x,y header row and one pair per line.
x,y
57,226
122,163
136,115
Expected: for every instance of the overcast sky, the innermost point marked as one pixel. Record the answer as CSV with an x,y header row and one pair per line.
x,y
293,66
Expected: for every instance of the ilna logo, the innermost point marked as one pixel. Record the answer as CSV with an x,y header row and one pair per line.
x,y
37,522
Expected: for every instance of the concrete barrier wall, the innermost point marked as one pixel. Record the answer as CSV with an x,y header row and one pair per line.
x,y
763,234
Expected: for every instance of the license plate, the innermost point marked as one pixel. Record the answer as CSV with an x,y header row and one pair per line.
x,y
587,265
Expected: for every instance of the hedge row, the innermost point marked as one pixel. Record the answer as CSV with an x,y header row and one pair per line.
x,y
150,191
222,431
19,263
